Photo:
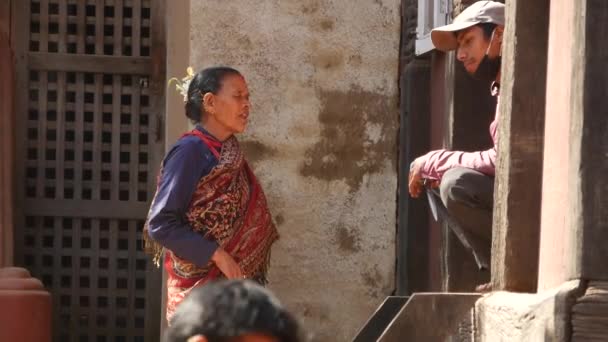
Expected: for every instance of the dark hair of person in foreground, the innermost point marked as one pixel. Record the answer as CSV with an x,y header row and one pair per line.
x,y
232,311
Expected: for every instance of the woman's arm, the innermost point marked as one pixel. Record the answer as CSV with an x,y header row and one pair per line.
x,y
183,167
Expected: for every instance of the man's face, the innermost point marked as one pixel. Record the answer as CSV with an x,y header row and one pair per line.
x,y
472,47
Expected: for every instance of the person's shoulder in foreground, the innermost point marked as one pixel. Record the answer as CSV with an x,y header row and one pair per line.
x,y
232,311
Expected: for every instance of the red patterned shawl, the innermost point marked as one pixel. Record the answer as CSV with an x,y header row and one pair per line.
x,y
229,207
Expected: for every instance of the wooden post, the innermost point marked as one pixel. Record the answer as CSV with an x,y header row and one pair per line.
x,y
7,138
574,232
575,200
177,18
413,233
521,131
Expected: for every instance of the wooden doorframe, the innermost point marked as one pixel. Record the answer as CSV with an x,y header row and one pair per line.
x,y
18,34
7,138
19,39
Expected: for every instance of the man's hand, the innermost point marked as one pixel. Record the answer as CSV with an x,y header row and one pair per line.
x,y
416,184
226,264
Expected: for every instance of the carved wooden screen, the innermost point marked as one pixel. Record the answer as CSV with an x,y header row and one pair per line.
x,y
90,94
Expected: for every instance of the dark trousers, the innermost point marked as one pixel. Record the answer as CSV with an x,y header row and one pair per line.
x,y
469,197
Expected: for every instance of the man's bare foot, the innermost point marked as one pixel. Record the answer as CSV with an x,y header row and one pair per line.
x,y
483,288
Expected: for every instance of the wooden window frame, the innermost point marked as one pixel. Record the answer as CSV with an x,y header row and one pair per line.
x,y
441,10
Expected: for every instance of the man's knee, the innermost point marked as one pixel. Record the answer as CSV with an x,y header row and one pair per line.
x,y
468,196
451,185
466,186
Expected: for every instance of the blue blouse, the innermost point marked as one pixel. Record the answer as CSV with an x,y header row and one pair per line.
x,y
188,160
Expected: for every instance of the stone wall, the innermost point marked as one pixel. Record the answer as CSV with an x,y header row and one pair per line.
x,y
460,5
323,77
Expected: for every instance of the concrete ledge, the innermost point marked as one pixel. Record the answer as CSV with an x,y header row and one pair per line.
x,y
20,284
14,272
545,316
590,314
381,318
26,307
433,317
25,316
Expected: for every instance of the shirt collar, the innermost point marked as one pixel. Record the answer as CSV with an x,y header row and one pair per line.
x,y
200,128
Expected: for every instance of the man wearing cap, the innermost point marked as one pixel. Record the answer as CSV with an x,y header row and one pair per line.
x,y
466,179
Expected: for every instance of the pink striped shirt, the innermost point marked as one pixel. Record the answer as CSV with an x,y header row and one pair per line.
x,y
438,162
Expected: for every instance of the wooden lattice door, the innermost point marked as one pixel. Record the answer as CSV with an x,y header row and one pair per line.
x,y
90,89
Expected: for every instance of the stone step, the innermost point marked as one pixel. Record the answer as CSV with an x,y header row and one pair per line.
x,y
380,320
26,307
429,317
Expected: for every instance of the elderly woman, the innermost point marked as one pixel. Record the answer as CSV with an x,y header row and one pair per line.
x,y
209,213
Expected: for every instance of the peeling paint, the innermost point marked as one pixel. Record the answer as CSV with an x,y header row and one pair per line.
x,y
345,150
311,7
348,240
256,151
373,281
279,219
327,24
328,59
371,277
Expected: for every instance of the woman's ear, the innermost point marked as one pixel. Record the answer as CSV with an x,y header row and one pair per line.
x,y
197,338
209,103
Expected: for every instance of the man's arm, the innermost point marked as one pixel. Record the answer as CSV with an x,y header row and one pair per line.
x,y
435,163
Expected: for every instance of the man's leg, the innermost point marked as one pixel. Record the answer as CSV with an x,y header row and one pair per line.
x,y
469,195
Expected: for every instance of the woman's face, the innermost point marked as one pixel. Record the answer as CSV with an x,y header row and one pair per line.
x,y
230,107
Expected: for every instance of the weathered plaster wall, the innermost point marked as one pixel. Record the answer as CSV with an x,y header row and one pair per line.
x,y
543,316
322,139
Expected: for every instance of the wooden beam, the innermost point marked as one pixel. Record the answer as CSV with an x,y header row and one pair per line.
x,y
5,18
89,63
155,323
87,209
19,44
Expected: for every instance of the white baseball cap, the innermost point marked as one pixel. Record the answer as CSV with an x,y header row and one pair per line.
x,y
480,12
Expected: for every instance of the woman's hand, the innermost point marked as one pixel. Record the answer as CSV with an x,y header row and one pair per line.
x,y
227,264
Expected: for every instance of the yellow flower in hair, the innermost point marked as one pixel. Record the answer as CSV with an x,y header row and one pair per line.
x,y
182,85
